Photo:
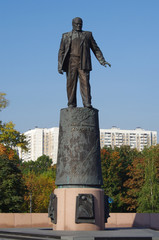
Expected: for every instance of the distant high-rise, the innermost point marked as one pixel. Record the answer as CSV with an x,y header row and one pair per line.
x,y
138,138
41,141
45,141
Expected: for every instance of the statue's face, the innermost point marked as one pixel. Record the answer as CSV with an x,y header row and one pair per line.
x,y
77,24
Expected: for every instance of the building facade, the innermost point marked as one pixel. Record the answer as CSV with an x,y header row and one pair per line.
x,y
45,141
41,141
138,138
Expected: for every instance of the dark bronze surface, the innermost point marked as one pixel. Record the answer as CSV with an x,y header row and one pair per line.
x,y
52,209
85,208
106,208
78,161
74,58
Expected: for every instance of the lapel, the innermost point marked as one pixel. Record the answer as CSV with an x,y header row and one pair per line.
x,y
69,37
82,36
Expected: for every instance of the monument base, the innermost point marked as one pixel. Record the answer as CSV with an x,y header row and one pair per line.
x,y
72,212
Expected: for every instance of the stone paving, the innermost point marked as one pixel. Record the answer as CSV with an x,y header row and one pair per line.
x,y
107,234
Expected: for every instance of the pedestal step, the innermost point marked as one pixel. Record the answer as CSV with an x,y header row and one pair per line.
x,y
79,209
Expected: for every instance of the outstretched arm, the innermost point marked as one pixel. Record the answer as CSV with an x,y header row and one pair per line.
x,y
98,53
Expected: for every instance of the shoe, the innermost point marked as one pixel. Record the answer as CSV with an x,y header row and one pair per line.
x,y
88,106
71,106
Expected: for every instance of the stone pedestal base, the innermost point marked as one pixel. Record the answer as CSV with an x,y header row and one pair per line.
x,y
78,203
67,209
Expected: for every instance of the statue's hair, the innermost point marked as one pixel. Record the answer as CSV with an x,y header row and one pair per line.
x,y
73,20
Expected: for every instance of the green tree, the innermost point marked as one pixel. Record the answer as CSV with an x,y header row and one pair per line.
x,y
39,178
11,137
3,101
39,188
8,135
115,170
149,194
27,167
127,156
111,180
12,187
134,183
41,165
143,182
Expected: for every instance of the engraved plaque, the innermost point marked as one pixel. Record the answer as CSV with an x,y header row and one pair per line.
x,y
85,208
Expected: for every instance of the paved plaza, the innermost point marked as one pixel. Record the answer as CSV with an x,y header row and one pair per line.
x,y
107,234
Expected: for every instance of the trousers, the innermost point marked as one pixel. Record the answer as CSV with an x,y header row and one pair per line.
x,y
73,73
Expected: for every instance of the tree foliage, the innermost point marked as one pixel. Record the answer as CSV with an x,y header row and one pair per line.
x,y
11,137
148,200
8,135
19,181
115,164
39,188
41,165
134,183
3,101
39,177
131,178
8,152
12,187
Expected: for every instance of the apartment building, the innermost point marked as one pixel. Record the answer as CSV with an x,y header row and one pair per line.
x,y
41,141
138,138
45,141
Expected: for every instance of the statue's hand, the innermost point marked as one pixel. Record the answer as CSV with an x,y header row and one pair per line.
x,y
106,63
60,71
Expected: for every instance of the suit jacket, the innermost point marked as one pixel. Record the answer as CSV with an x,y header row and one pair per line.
x,y
87,43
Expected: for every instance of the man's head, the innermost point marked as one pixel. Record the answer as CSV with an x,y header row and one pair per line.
x,y
77,24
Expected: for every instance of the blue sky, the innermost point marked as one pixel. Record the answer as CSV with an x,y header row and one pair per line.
x,y
127,33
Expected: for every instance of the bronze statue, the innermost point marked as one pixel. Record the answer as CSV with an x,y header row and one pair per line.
x,y
74,59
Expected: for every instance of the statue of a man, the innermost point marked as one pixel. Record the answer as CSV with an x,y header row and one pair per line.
x,y
74,58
